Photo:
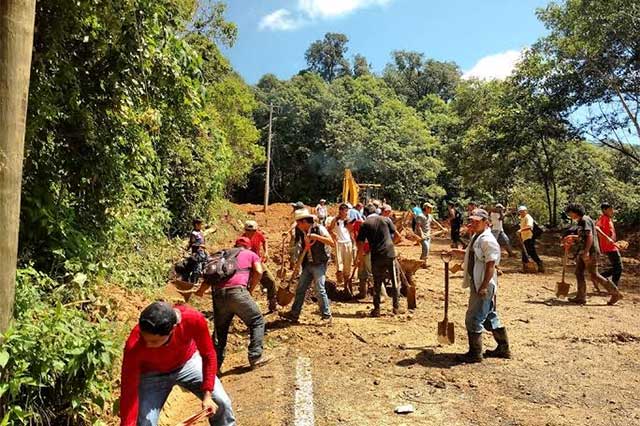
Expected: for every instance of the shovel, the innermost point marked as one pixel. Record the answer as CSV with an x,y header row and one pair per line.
x,y
530,266
284,295
196,417
446,333
562,288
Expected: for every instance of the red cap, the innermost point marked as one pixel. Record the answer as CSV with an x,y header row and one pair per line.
x,y
243,242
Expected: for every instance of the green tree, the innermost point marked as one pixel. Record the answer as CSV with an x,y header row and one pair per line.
x,y
413,77
361,66
327,57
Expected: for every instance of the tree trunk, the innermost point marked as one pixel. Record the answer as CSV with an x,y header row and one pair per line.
x,y
16,41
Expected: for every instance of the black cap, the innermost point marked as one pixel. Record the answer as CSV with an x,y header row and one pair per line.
x,y
158,318
605,206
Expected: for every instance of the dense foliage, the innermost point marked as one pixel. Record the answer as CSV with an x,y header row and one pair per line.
x,y
136,124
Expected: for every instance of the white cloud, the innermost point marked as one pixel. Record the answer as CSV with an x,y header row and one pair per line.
x,y
307,11
333,8
280,20
495,67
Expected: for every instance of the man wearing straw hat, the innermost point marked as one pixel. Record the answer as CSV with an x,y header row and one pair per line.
x,y
314,240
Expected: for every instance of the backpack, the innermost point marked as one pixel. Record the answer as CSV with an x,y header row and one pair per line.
x,y
222,266
537,230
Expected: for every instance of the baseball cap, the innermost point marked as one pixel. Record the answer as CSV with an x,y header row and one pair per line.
x,y
499,206
158,318
522,209
427,206
386,207
251,225
479,214
298,205
243,242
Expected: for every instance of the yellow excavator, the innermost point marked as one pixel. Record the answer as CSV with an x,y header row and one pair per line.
x,y
351,189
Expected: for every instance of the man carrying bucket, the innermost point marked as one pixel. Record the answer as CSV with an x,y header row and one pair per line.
x,y
480,260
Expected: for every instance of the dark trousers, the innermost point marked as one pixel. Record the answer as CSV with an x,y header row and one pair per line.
x,y
382,268
590,266
228,302
615,270
268,282
530,246
455,237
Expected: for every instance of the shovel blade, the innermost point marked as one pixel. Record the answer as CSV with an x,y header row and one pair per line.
x,y
445,333
284,296
562,289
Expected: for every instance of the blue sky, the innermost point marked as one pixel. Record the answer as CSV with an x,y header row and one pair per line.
x,y
483,36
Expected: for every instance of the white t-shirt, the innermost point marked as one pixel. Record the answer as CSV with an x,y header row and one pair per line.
x,y
342,232
496,222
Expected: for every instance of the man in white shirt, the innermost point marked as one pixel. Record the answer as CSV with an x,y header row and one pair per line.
x,y
423,229
344,243
480,260
497,228
321,211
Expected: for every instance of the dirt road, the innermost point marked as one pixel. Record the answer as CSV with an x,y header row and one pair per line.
x,y
572,365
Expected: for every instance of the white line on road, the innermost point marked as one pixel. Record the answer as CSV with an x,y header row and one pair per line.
x,y
304,393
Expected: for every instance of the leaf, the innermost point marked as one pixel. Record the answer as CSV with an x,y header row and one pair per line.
x,y
4,359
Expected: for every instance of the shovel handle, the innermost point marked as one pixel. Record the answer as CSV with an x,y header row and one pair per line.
x,y
446,291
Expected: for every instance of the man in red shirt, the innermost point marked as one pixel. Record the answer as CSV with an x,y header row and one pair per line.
x,y
258,244
607,246
170,346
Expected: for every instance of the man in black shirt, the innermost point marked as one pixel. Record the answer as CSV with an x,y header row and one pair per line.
x,y
588,250
380,232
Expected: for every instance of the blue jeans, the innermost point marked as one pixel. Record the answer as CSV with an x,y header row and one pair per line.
x,y
154,389
426,246
309,273
481,313
228,302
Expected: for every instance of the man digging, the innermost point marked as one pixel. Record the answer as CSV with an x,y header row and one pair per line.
x,y
480,260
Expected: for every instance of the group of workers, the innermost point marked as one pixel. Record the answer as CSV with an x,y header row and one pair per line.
x,y
171,344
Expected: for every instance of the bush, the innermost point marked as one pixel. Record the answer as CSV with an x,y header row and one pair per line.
x,y
53,365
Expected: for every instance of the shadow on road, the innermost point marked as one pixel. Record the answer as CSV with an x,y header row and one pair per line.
x,y
432,359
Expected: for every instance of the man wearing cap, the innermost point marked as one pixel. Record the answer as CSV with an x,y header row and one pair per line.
x,y
380,233
260,247
321,211
480,260
607,243
233,297
344,243
315,240
497,228
170,346
528,240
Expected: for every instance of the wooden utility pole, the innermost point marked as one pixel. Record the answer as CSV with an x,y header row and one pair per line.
x,y
16,41
267,178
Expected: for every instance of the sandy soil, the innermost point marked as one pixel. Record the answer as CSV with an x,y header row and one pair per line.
x,y
572,365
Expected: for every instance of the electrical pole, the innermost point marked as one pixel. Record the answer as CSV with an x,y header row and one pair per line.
x,y
16,42
268,175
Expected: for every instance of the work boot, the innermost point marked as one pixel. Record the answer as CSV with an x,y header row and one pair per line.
x,y
259,362
502,350
474,354
541,267
577,300
375,313
614,298
289,316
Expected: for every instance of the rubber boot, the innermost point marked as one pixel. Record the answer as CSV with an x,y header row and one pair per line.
x,y
475,349
502,351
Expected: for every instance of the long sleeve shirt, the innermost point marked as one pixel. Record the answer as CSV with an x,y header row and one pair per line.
x,y
189,335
